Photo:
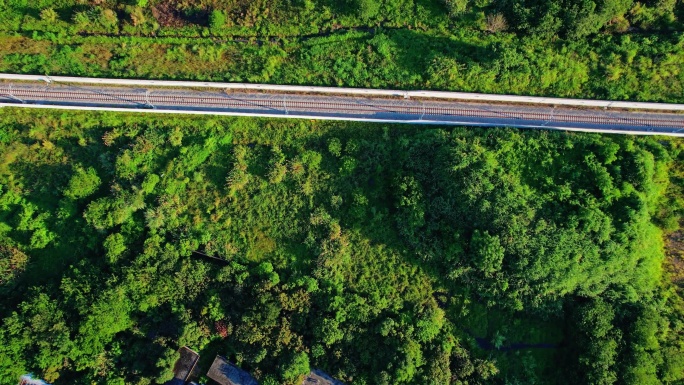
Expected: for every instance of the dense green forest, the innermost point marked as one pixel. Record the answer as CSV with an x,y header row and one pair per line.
x,y
382,254
615,49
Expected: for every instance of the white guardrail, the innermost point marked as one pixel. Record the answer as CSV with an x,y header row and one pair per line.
x,y
465,96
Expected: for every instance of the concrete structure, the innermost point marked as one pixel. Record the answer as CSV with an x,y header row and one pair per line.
x,y
27,379
226,373
318,377
184,367
343,108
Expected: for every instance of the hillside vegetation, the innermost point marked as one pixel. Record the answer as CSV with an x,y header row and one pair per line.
x,y
614,49
384,255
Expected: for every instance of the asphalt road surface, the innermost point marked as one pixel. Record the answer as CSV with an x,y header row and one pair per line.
x,y
317,106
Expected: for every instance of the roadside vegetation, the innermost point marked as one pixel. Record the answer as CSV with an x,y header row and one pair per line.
x,y
382,254
615,49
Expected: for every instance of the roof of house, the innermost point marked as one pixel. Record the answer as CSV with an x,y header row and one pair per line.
x,y
27,379
226,373
318,377
184,366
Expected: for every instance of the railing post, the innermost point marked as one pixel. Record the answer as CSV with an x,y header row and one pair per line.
x,y
147,99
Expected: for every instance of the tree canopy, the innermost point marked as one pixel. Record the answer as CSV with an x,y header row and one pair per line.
x,y
384,255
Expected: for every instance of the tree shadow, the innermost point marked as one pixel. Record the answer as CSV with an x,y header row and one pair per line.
x,y
416,50
394,58
44,181
339,7
219,167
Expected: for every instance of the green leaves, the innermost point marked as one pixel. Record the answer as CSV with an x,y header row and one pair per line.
x,y
217,19
83,183
376,253
109,315
297,366
487,252
430,324
115,246
38,334
105,213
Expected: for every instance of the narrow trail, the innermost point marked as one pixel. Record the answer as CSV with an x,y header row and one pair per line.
x,y
486,344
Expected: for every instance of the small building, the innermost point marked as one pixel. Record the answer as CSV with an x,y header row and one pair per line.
x,y
318,377
27,379
226,373
184,367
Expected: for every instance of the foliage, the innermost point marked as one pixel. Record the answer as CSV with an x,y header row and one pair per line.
x,y
82,183
12,263
487,252
217,19
380,254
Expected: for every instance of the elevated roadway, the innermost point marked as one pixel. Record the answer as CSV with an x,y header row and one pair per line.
x,y
415,107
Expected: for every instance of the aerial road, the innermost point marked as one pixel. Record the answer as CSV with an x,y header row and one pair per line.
x,y
415,107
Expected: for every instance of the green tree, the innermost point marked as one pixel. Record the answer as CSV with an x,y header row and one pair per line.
x,y
368,9
165,365
107,18
12,263
115,246
598,342
109,315
487,252
456,7
296,366
217,19
49,15
40,329
83,183
335,147
430,323
149,183
645,355
82,19
330,331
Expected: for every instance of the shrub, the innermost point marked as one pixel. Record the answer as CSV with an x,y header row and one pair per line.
x,y
368,9
217,19
298,365
137,16
82,183
81,19
115,246
108,18
496,22
456,7
48,15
